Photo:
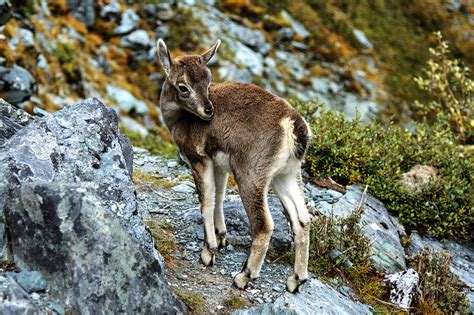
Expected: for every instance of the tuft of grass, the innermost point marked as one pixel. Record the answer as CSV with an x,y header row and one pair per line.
x,y
161,232
144,179
439,291
234,302
193,300
158,142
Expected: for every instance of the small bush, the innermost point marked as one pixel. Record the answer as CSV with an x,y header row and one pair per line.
x,y
353,152
439,291
340,249
452,91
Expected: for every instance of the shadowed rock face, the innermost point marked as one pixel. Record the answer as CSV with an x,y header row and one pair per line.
x,y
91,263
71,212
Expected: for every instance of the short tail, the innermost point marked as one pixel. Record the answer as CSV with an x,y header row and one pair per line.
x,y
303,135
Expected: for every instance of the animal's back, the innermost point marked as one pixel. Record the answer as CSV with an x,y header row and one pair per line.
x,y
258,115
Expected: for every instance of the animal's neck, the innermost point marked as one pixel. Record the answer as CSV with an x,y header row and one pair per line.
x,y
172,113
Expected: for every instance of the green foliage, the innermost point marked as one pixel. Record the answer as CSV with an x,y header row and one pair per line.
x,y
439,291
67,55
155,143
352,152
452,92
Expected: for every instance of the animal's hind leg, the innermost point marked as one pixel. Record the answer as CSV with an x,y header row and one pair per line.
x,y
254,198
220,178
291,196
203,174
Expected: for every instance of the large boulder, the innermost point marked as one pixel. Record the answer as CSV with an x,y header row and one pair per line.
x,y
16,84
71,212
91,263
314,298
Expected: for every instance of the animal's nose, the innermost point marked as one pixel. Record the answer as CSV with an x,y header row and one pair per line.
x,y
208,110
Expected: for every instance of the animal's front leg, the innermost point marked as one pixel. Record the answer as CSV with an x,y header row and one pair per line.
x,y
203,173
220,177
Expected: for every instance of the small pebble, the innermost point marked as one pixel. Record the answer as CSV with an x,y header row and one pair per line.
x,y
222,272
277,288
35,296
172,164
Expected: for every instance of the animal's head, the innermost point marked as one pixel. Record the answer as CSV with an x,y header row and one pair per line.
x,y
189,78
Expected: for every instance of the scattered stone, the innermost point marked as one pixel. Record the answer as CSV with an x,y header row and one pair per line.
x,y
83,10
128,22
297,27
363,40
16,84
172,163
164,12
125,100
245,56
418,176
162,31
12,120
23,37
30,281
111,11
133,126
403,287
315,297
137,40
184,188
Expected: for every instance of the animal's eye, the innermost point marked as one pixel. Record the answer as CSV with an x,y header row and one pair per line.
x,y
183,88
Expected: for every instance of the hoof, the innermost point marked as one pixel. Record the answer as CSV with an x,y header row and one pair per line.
x,y
241,280
293,283
208,256
222,242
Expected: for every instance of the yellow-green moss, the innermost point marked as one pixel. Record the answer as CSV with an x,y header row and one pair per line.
x,y
165,242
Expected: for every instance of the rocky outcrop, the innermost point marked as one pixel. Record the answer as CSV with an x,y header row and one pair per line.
x,y
71,212
379,226
315,298
12,120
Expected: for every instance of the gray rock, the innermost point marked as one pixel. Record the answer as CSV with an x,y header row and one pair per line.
x,y
12,119
128,22
184,188
403,286
16,84
133,126
30,281
125,100
90,262
251,38
463,258
24,37
162,31
16,301
245,56
379,226
363,40
295,25
285,34
80,143
315,297
83,10
137,40
292,64
164,12
5,11
111,11
230,72
41,62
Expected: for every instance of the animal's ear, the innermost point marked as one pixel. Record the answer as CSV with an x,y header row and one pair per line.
x,y
164,56
207,56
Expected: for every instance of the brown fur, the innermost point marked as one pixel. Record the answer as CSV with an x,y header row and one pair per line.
x,y
239,120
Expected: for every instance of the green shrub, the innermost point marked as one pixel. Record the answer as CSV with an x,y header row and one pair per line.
x,y
439,291
452,91
353,152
